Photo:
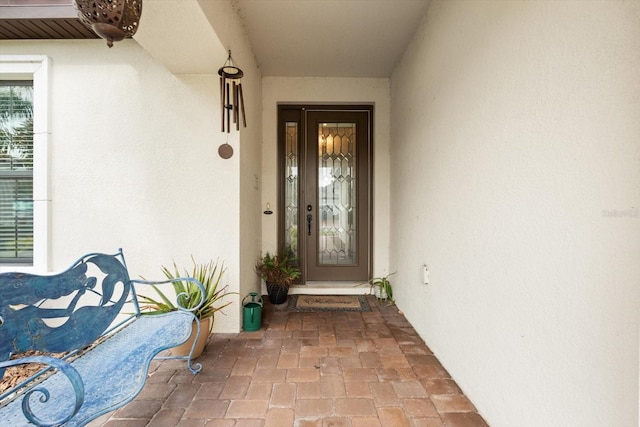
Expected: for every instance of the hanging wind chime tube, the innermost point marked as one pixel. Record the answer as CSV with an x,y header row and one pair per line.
x,y
231,97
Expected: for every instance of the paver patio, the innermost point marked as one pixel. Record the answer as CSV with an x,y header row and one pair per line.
x,y
304,369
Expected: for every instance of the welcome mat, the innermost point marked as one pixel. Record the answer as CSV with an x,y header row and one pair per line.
x,y
328,303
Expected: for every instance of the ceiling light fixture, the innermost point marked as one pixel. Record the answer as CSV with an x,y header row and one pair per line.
x,y
113,20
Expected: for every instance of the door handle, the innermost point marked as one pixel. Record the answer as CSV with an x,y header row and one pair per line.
x,y
309,219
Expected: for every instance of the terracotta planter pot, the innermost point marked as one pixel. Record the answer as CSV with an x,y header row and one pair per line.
x,y
277,294
205,329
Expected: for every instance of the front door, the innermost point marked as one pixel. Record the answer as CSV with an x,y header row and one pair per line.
x,y
326,190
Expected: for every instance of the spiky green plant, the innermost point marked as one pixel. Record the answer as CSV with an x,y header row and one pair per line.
x,y
188,294
383,284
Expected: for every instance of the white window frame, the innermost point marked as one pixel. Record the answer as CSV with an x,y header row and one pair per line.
x,y
38,69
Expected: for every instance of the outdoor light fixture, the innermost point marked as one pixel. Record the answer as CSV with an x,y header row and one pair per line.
x,y
113,20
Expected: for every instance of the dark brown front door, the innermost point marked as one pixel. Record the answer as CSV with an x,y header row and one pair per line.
x,y
326,190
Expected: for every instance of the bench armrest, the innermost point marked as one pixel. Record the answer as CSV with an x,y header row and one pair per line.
x,y
62,366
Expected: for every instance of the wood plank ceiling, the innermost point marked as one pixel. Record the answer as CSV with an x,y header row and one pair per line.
x,y
41,19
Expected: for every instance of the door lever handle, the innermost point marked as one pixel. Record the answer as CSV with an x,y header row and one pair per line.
x,y
309,219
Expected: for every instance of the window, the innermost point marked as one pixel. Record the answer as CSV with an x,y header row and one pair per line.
x,y
16,172
24,138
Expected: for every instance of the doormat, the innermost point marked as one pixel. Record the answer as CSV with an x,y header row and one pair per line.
x,y
328,303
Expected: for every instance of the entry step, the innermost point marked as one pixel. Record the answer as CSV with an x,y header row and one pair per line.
x,y
330,288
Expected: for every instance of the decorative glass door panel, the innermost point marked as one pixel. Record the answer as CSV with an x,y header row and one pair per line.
x,y
291,189
337,191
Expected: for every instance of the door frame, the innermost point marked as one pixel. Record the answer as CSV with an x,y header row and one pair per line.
x,y
295,112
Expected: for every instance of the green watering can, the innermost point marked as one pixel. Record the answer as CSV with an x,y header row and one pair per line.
x,y
252,312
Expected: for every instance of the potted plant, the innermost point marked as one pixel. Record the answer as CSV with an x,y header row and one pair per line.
x,y
189,295
381,288
278,272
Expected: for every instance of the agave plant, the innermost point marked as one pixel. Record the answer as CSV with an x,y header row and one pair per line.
x,y
188,294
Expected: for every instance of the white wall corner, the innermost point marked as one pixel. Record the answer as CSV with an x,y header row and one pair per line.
x,y
177,34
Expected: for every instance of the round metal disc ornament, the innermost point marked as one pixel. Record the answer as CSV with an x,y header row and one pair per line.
x,y
225,151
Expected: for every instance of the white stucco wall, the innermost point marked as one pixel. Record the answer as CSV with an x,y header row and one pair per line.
x,y
134,162
515,177
329,90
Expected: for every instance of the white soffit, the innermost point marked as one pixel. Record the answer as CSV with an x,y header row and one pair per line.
x,y
177,34
330,38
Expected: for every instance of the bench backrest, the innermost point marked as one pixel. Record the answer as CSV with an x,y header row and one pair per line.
x,y
62,312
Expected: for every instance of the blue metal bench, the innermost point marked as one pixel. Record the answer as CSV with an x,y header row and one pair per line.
x,y
91,313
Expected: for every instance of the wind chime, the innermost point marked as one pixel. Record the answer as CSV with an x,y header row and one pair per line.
x,y
231,100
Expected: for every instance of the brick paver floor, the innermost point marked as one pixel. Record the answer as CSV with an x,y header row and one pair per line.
x,y
351,369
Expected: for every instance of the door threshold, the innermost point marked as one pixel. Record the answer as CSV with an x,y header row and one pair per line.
x,y
330,288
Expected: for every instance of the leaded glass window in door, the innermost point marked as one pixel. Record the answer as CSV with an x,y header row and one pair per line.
x,y
337,194
291,188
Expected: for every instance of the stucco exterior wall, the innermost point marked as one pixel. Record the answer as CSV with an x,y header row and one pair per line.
x,y
515,177
134,162
329,90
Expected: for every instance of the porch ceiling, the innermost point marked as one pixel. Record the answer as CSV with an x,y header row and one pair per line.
x,y
41,19
311,38
330,38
